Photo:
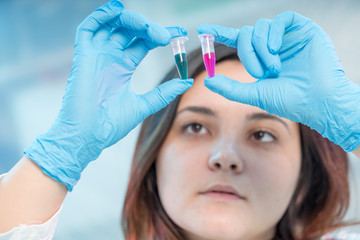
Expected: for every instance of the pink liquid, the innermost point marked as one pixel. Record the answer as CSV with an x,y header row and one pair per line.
x,y
209,61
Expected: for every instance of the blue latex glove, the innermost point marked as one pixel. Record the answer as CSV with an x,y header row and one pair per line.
x,y
300,76
99,107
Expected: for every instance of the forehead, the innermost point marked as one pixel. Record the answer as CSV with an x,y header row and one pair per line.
x,y
198,94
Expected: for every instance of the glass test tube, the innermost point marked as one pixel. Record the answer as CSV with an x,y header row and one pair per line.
x,y
207,46
178,46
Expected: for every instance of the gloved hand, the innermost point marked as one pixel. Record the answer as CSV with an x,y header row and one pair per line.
x,y
99,107
300,76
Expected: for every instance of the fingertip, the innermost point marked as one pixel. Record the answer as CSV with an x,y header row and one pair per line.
x,y
133,20
272,70
210,82
176,31
255,68
275,68
113,5
210,85
224,35
214,78
207,80
189,81
273,49
186,82
210,79
158,34
213,29
203,28
116,3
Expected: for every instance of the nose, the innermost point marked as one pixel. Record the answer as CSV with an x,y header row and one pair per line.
x,y
226,156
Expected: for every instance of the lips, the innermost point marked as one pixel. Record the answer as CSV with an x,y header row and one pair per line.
x,y
222,192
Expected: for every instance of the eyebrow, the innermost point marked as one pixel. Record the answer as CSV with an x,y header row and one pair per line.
x,y
201,110
262,116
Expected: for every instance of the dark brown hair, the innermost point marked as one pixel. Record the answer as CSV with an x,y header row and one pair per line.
x,y
318,205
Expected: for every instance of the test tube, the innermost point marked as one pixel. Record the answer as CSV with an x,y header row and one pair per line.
x,y
178,46
207,46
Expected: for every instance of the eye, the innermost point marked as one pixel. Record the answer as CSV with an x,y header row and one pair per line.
x,y
195,128
263,136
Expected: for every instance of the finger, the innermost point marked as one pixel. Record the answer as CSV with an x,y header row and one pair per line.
x,y
103,33
122,37
154,36
246,93
127,26
279,25
224,35
161,96
247,53
177,31
260,43
131,20
97,19
146,42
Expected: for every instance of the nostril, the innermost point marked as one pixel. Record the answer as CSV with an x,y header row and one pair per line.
x,y
233,166
217,165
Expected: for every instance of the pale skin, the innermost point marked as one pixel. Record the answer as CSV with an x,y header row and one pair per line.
x,y
214,141
28,196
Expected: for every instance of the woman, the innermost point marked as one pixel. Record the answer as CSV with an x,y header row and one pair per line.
x,y
208,168
99,108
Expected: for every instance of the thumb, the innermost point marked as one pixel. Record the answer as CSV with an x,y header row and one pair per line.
x,y
161,96
246,93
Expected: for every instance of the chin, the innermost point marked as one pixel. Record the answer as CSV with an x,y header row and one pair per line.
x,y
230,231
218,227
225,225
216,234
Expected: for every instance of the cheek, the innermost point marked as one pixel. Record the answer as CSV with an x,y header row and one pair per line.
x,y
175,164
275,177
177,170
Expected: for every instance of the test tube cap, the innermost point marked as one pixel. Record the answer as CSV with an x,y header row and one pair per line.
x,y
205,36
207,42
178,44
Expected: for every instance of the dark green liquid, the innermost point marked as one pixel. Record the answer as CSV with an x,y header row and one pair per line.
x,y
181,63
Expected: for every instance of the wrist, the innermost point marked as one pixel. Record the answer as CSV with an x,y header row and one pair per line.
x,y
63,158
357,151
344,124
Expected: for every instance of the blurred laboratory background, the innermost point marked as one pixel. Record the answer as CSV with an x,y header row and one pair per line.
x,y
36,50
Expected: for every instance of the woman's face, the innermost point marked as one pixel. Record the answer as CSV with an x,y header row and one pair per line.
x,y
227,170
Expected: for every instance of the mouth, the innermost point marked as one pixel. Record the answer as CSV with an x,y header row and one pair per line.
x,y
222,192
